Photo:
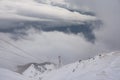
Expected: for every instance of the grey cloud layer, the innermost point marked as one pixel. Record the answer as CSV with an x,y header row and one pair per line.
x,y
33,11
108,12
47,17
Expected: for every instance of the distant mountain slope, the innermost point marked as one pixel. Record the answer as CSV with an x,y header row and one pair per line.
x,y
9,75
102,67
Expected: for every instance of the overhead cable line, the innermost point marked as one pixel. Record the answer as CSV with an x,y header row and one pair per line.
x,y
13,45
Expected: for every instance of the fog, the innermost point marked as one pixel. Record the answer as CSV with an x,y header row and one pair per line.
x,y
46,45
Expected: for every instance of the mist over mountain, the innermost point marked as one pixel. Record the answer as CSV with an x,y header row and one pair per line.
x,y
38,31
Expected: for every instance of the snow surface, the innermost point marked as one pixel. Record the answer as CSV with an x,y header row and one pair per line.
x,y
9,75
35,70
102,67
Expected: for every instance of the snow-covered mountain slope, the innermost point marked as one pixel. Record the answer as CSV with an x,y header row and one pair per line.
x,y
102,67
9,75
34,70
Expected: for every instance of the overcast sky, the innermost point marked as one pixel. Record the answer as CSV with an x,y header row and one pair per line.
x,y
42,30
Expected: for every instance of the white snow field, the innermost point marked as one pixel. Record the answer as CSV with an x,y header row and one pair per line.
x,y
9,75
102,67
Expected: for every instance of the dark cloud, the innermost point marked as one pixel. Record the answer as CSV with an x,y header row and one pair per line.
x,y
86,29
60,18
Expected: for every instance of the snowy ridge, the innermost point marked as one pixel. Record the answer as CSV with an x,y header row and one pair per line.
x,y
34,70
102,67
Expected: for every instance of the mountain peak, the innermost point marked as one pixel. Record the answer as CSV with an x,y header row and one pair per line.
x,y
35,70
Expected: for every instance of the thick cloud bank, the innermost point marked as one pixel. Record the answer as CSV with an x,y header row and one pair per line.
x,y
19,11
46,16
44,46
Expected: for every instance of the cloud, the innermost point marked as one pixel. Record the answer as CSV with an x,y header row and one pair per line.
x,y
44,46
108,12
46,17
55,21
33,11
